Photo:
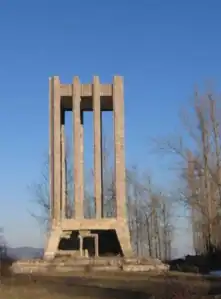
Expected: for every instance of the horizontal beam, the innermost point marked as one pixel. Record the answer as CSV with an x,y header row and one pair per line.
x,y
86,90
89,224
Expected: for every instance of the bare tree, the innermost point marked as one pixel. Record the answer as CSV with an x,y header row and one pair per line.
x,y
198,150
149,219
40,191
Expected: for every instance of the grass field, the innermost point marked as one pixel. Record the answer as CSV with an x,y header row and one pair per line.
x,y
109,286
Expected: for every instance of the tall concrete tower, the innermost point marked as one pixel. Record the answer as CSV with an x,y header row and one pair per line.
x,y
98,236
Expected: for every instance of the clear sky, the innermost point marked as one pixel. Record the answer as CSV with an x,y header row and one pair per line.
x,y
162,48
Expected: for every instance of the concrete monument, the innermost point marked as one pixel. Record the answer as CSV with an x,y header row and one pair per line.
x,y
87,237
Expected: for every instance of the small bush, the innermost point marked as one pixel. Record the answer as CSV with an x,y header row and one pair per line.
x,y
5,266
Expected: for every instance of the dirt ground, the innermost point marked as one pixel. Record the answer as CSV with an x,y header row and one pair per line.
x,y
109,286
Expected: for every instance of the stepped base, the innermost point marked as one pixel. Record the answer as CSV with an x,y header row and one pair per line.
x,y
80,265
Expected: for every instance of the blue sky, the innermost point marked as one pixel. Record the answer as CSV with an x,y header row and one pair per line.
x,y
162,48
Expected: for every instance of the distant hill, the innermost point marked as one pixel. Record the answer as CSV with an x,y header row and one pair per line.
x,y
25,252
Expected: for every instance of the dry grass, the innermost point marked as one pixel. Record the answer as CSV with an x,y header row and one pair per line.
x,y
108,286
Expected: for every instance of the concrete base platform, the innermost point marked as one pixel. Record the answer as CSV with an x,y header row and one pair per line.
x,y
81,265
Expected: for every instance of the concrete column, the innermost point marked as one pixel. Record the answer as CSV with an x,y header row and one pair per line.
x,y
80,245
51,146
63,169
82,161
55,148
78,154
120,175
97,147
96,244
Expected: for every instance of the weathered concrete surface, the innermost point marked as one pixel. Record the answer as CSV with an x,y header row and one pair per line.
x,y
79,97
86,265
97,148
145,268
52,244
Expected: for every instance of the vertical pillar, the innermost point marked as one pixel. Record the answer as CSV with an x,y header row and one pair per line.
x,y
96,244
63,169
82,162
120,176
55,148
51,146
80,245
78,154
97,147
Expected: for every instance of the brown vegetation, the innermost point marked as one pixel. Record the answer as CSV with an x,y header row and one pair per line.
x,y
107,285
5,265
203,263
